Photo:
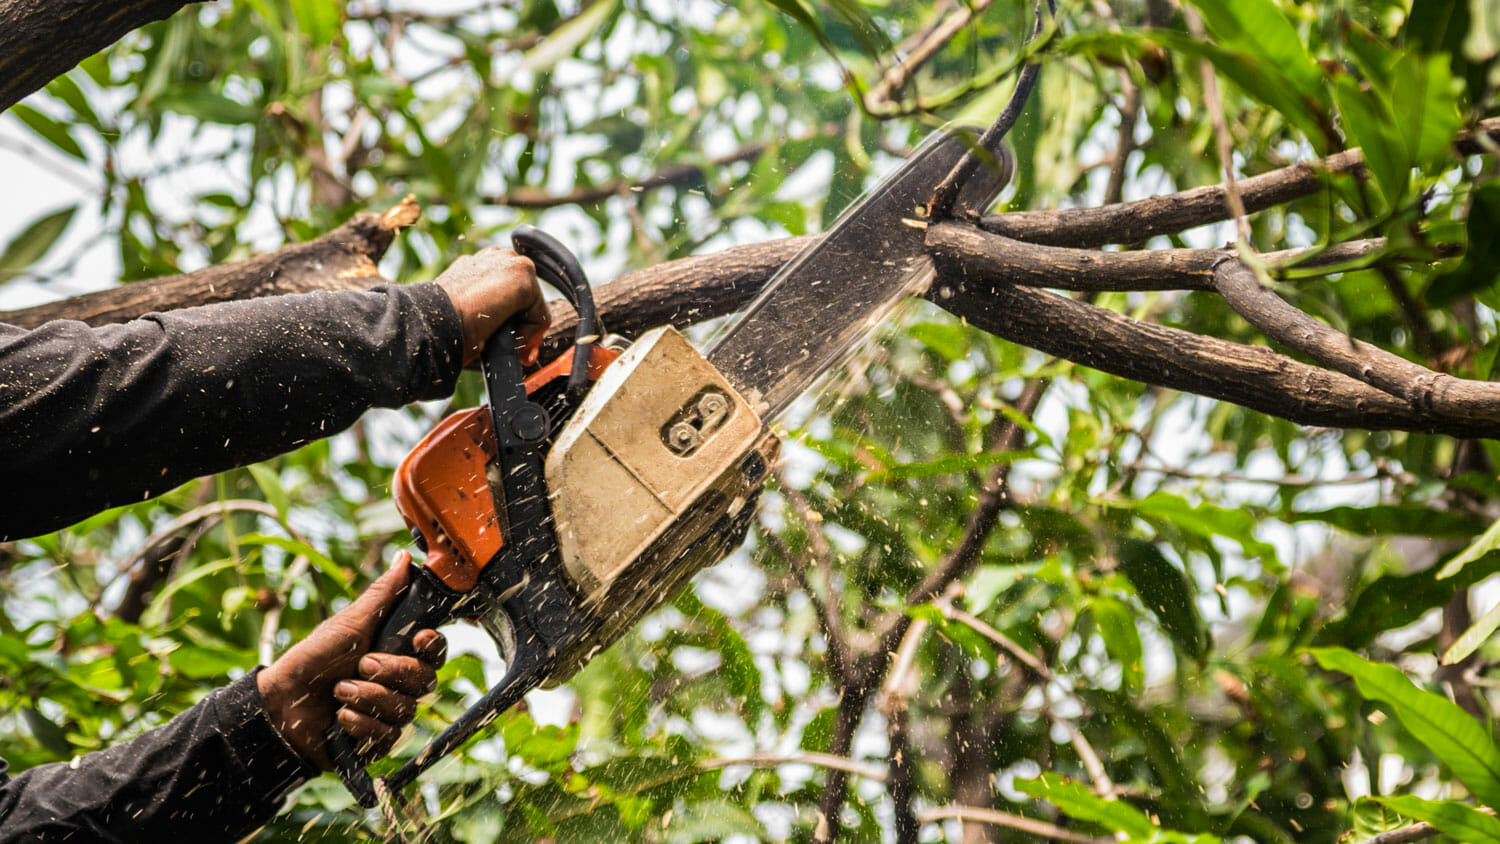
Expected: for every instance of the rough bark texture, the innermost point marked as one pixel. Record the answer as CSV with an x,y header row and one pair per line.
x,y
43,39
1134,222
1422,388
978,280
343,259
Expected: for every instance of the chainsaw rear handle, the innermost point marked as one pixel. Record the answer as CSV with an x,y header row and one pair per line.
x,y
425,604
559,267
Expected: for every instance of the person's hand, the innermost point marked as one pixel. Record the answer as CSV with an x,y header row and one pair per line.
x,y
488,288
332,666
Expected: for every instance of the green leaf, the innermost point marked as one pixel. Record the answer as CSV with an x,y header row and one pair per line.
x,y
270,486
1480,267
50,130
817,736
208,106
947,339
1371,126
1117,628
546,747
1076,801
1207,521
1394,520
1451,734
711,820
323,562
1486,543
47,732
949,465
32,244
1396,600
65,88
154,613
205,663
566,39
1259,28
320,19
1166,591
1426,99
1461,821
1472,638
1260,81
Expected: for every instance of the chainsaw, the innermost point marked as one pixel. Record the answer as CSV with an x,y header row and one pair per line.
x,y
589,491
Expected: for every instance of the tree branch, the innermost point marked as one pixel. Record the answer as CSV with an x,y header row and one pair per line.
x,y
879,99
1426,390
1132,222
1251,376
1017,822
673,175
42,40
343,259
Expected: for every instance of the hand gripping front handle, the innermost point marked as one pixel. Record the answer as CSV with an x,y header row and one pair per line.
x,y
425,604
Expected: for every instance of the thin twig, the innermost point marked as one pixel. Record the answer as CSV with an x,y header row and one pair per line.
x,y
1030,826
1006,643
1103,785
1215,103
878,100
946,193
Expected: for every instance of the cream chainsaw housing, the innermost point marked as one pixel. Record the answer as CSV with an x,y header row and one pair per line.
x,y
653,478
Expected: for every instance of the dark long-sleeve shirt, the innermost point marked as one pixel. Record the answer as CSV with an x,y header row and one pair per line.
x,y
92,418
97,417
213,773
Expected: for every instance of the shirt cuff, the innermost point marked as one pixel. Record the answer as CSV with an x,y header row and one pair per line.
x,y
444,324
269,763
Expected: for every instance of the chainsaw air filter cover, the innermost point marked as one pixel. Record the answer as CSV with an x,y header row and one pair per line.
x,y
653,478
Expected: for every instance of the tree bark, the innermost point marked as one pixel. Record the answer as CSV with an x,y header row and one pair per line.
x,y
978,278
43,39
343,259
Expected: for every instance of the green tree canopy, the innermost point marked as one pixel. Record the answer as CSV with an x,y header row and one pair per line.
x,y
1122,535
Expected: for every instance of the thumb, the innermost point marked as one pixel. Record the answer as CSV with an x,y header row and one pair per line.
x,y
371,607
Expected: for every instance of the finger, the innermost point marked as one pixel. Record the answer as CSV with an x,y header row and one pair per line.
x,y
404,674
431,647
533,330
377,701
372,736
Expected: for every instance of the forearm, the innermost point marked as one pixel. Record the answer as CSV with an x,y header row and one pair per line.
x,y
97,417
214,773
43,39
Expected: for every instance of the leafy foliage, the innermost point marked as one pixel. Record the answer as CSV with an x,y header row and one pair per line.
x,y
1166,561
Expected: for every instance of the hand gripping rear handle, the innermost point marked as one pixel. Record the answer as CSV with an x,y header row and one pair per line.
x,y
426,603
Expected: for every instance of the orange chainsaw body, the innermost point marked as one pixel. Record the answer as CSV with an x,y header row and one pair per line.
x,y
444,489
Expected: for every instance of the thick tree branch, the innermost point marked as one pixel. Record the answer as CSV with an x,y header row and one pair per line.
x,y
1427,391
343,259
40,40
1003,260
1252,376
1132,222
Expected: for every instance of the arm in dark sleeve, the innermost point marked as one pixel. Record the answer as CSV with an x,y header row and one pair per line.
x,y
92,418
214,773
